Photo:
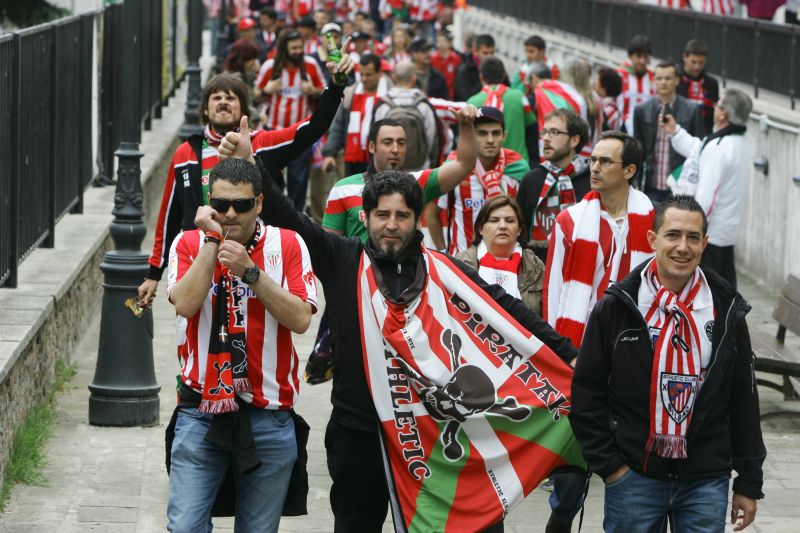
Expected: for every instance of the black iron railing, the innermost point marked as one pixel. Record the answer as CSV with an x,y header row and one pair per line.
x,y
755,52
47,75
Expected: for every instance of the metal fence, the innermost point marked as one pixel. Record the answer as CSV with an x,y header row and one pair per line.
x,y
48,76
755,52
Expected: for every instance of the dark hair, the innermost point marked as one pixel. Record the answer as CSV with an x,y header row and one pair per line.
x,y
610,80
268,12
370,59
493,70
240,52
632,152
282,56
378,124
484,39
536,42
540,70
640,44
388,182
362,14
492,204
576,125
235,172
227,84
695,47
684,202
446,34
667,64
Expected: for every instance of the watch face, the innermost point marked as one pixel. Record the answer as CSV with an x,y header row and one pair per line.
x,y
251,275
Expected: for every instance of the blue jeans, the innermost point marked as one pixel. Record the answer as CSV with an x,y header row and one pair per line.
x,y
199,467
297,179
566,499
638,504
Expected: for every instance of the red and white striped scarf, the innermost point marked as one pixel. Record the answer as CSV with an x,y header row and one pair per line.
x,y
494,97
544,216
680,327
574,281
501,271
213,138
492,179
360,120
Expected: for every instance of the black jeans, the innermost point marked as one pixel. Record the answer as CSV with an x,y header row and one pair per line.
x,y
359,494
720,260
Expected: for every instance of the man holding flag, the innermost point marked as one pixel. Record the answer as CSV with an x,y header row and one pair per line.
x,y
460,377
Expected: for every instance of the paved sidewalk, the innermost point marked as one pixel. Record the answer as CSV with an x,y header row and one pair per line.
x,y
114,480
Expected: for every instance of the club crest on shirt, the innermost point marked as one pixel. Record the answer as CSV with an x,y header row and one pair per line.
x,y
272,260
678,392
709,327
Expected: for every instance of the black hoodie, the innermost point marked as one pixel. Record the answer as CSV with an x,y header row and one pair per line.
x,y
611,394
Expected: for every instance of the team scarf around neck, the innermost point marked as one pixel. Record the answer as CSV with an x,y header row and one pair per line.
x,y
457,385
492,179
566,193
581,278
494,97
502,271
226,365
213,138
682,323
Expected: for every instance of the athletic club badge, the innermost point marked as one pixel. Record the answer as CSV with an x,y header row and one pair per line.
x,y
709,327
678,392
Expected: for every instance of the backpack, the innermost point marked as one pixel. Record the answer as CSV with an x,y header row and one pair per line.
x,y
417,149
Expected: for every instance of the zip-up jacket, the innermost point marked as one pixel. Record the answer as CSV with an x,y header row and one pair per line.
x,y
183,189
611,394
335,260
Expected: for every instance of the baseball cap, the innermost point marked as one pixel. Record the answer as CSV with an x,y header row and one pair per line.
x,y
419,45
490,114
307,22
246,24
356,35
331,26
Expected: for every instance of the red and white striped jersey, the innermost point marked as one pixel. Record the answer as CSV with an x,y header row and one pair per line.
x,y
424,9
674,4
718,7
311,46
469,196
271,358
635,90
290,105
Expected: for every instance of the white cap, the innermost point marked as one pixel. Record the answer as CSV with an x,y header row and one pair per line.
x,y
331,26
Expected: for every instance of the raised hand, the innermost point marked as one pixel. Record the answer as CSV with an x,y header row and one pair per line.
x,y
237,145
206,219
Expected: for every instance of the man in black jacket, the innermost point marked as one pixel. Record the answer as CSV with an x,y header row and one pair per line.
x,y
359,495
664,398
468,76
429,79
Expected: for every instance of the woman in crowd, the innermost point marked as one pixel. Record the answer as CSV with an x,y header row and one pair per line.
x,y
607,87
400,38
498,255
578,73
242,63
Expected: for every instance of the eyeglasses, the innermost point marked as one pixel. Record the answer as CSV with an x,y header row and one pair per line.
x,y
240,205
604,161
552,132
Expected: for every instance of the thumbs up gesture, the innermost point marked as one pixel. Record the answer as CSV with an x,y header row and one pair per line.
x,y
236,145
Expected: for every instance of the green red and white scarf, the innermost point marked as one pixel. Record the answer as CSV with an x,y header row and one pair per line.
x,y
226,365
492,179
680,326
494,97
545,214
471,405
501,271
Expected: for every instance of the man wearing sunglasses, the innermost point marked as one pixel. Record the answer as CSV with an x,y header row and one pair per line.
x,y
240,288
186,187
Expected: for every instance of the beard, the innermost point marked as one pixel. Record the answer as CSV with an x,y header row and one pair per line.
x,y
295,59
392,252
558,154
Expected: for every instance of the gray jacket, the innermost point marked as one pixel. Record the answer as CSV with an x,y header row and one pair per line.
x,y
645,129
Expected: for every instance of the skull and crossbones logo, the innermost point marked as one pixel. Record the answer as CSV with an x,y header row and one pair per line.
x,y
468,392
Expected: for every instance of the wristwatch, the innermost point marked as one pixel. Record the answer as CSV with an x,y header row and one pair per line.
x,y
251,275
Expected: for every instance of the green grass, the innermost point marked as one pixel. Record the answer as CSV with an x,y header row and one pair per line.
x,y
27,458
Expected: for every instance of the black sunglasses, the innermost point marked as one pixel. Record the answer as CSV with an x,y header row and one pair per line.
x,y
240,205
